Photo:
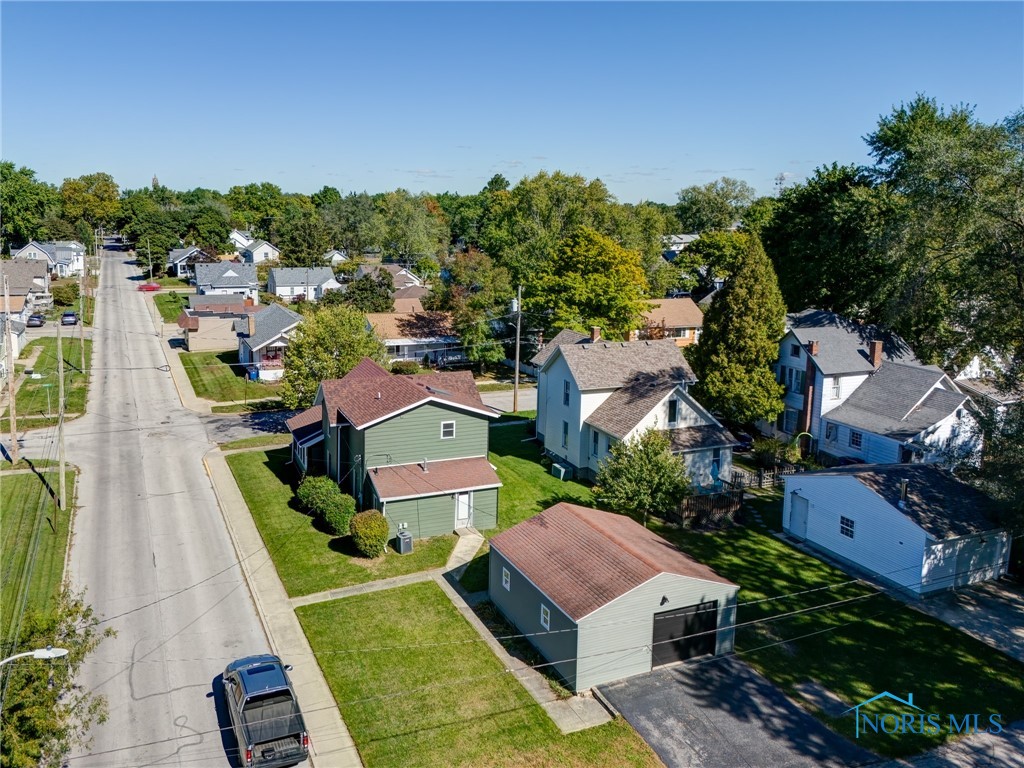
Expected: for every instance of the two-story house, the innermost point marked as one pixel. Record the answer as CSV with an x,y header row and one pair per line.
x,y
594,393
413,447
860,393
240,239
259,251
181,262
64,258
263,338
679,319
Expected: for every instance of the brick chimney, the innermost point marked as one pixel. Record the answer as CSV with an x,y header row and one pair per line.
x,y
248,302
252,323
595,333
812,348
875,353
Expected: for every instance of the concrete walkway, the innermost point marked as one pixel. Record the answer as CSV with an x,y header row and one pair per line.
x,y
331,746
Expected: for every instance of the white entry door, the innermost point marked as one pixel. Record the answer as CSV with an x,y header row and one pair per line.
x,y
463,510
798,516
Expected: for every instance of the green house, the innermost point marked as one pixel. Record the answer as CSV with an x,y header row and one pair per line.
x,y
414,447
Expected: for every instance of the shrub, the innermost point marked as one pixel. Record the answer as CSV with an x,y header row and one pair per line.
x,y
766,452
370,532
318,494
405,367
338,515
65,294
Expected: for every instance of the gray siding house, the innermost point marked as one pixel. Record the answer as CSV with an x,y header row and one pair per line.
x,y
413,447
603,598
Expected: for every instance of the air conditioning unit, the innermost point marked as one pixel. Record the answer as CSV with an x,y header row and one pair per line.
x,y
561,471
403,543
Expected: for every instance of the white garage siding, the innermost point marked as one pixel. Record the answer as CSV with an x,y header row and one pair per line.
x,y
615,640
965,560
884,541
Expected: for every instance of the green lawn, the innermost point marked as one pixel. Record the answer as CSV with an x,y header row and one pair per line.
x,y
169,305
308,559
260,441
32,393
174,282
855,650
27,525
218,376
449,701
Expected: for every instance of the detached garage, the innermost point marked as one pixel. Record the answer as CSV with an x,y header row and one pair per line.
x,y
912,525
603,598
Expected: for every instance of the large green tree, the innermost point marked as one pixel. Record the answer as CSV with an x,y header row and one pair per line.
x,y
370,293
94,198
716,205
327,345
642,477
256,207
24,202
740,342
414,226
590,280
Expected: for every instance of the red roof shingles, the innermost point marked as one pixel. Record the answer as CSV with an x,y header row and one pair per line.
x,y
584,558
305,418
369,393
441,477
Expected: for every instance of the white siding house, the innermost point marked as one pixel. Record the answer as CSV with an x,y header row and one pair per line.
x,y
259,251
298,282
914,526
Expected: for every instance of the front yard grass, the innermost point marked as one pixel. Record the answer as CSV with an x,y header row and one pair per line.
x,y
33,544
417,687
32,393
856,649
218,376
307,558
259,441
169,305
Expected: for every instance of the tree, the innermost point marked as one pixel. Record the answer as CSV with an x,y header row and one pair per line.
x,y
327,345
24,202
93,197
303,235
371,292
256,206
326,196
641,477
718,253
717,205
46,714
414,226
354,224
740,343
590,281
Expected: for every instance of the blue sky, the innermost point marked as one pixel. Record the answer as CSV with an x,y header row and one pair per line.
x,y
648,97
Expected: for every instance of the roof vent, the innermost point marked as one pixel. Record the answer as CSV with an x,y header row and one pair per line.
x,y
424,465
378,395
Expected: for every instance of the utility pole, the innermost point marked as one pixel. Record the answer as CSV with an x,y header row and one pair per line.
x,y
519,323
60,415
9,344
81,302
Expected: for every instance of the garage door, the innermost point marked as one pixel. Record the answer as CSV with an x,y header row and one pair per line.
x,y
683,633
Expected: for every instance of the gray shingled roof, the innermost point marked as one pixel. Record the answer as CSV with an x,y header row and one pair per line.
x,y
620,413
226,274
270,323
258,244
564,336
614,364
843,344
699,438
941,505
898,401
177,254
300,276
22,275
199,301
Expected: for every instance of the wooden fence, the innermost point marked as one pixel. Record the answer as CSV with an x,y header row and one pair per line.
x,y
762,478
708,508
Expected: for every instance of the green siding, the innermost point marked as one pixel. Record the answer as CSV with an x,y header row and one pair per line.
x,y
354,462
426,517
485,509
416,435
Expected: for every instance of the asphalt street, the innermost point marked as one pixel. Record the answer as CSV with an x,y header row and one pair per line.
x,y
150,547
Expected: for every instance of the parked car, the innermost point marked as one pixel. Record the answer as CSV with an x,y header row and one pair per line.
x,y
36,321
265,715
745,443
69,318
149,287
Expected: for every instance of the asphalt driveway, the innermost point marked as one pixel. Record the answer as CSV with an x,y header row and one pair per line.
x,y
722,713
992,612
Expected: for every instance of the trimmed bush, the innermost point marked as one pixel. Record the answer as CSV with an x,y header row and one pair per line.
x,y
405,367
318,494
370,532
65,294
339,515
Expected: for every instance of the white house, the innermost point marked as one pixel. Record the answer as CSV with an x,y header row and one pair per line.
x,y
299,282
226,277
415,335
28,285
65,258
335,256
181,262
593,393
860,393
915,526
241,239
263,338
401,277
260,251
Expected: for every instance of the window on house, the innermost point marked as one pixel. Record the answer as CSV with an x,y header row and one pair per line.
x,y
673,411
837,389
506,579
684,333
794,350
595,441
846,526
610,443
565,434
565,392
447,430
789,421
545,616
831,433
856,439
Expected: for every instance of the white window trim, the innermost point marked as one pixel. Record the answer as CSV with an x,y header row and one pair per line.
x,y
452,435
506,579
595,442
545,616
565,434
566,393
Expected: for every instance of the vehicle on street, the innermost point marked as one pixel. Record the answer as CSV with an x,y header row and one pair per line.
x,y
36,321
149,287
69,318
265,715
745,442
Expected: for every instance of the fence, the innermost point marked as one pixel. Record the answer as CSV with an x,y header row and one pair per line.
x,y
762,478
708,508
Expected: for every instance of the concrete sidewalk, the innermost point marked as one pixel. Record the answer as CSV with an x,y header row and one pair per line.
x,y
331,746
